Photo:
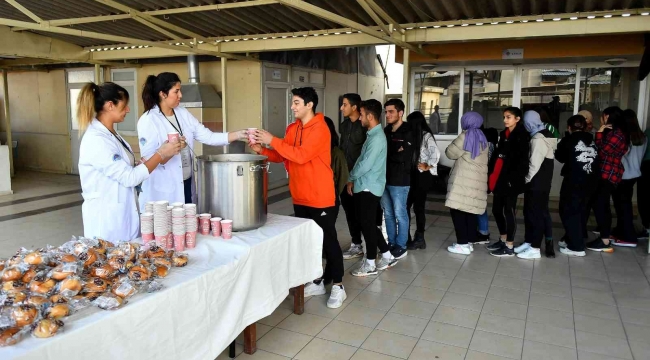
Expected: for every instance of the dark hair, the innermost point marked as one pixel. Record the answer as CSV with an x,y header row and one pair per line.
x,y
577,122
154,85
333,134
514,111
308,95
397,103
637,137
92,98
373,107
419,127
543,115
353,99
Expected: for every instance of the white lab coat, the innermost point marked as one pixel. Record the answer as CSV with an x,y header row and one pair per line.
x,y
166,182
108,179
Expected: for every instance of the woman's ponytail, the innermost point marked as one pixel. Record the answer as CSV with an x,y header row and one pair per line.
x,y
86,106
149,96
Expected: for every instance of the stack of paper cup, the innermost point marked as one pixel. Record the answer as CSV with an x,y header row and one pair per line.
x,y
204,226
226,229
191,225
146,227
177,204
178,228
148,207
170,237
216,226
160,223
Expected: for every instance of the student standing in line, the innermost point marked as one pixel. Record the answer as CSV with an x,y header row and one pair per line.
x,y
612,140
538,188
643,191
508,170
624,233
577,151
425,166
483,236
467,188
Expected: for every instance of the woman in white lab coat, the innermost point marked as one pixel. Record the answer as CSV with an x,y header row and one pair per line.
x,y
107,165
172,181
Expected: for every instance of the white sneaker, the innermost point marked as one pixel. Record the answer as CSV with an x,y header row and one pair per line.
x,y
354,251
530,254
471,247
460,249
312,289
523,247
568,252
383,264
364,269
562,244
337,297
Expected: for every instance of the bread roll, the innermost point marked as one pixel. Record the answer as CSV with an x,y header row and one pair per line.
x,y
47,328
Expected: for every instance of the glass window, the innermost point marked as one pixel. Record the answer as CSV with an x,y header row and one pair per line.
x,y
437,97
488,92
74,94
126,79
604,87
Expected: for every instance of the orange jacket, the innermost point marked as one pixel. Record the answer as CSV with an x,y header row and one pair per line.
x,y
305,151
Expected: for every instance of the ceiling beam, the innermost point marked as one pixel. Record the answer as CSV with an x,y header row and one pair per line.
x,y
216,7
374,16
169,34
381,12
24,10
316,11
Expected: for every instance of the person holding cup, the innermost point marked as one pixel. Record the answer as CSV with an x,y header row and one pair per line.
x,y
164,119
107,164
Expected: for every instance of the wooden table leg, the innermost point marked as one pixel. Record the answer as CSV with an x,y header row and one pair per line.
x,y
250,339
299,300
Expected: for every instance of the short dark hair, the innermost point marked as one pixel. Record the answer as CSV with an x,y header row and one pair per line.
x,y
354,100
514,111
308,95
577,122
397,103
373,107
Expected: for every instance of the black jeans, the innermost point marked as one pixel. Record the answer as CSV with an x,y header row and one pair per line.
x,y
504,210
622,197
366,205
602,207
589,205
420,185
187,188
465,225
350,215
643,194
535,216
573,204
331,247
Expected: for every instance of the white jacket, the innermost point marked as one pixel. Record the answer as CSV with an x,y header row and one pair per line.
x,y
166,182
108,181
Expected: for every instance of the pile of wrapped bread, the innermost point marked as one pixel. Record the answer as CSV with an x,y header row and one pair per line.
x,y
41,287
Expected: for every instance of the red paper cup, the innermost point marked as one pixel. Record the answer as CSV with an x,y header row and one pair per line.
x,y
161,241
147,238
190,239
216,226
173,137
179,242
205,229
226,229
170,241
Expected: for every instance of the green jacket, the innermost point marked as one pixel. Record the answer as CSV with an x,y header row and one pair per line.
x,y
340,169
369,172
552,129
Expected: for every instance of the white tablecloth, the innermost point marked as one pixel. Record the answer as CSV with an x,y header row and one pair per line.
x,y
227,285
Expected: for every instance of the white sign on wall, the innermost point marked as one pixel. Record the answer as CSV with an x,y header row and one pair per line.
x,y
512,54
276,75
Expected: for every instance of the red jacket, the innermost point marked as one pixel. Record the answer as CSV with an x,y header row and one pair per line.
x,y
305,151
612,146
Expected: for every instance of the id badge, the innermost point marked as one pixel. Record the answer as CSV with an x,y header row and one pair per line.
x,y
186,160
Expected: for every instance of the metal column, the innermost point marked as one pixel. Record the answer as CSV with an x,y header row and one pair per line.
x,y
406,86
5,91
224,100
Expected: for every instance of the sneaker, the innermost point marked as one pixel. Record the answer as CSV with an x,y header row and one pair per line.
x,y
399,253
383,264
496,245
503,252
364,269
562,244
482,239
354,251
337,297
523,247
313,289
460,249
529,254
596,232
598,245
568,252
643,234
622,243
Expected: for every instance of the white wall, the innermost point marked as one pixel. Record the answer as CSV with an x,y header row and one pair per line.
x,y
337,84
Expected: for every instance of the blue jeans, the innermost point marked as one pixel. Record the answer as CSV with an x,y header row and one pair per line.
x,y
394,204
483,223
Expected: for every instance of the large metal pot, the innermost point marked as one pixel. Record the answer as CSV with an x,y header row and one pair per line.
x,y
234,186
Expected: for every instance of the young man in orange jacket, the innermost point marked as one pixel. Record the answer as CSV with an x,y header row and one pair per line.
x,y
305,151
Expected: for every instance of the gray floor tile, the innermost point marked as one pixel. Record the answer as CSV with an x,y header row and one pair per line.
x,y
636,332
496,344
551,302
276,317
307,324
397,276
640,350
604,345
387,288
591,284
432,282
585,355
600,297
474,276
260,355
363,354
469,288
583,307
425,350
345,333
432,269
548,334
361,315
390,344
454,316
501,325
550,317
600,326
509,295
463,301
506,309
539,287
319,349
511,283
375,300
448,334
632,302
402,324
423,294
283,342
539,351
477,355
635,316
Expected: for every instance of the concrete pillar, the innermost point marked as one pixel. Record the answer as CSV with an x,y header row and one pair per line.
x,y
406,82
224,101
5,88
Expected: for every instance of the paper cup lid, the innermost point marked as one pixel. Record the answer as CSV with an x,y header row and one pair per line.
x,y
226,221
215,219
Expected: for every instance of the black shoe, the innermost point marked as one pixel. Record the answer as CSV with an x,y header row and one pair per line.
x,y
550,250
482,239
642,235
496,245
599,245
417,243
399,253
503,252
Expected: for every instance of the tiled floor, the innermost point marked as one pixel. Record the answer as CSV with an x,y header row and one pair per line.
x,y
432,305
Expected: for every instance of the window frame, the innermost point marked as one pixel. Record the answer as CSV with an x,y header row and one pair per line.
x,y
134,96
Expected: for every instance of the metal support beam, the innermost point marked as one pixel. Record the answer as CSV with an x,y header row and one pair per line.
x,y
406,81
224,98
374,17
316,11
169,34
5,89
24,10
381,12
98,74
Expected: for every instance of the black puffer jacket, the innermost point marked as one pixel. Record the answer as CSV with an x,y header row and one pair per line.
x,y
578,153
399,163
353,135
514,151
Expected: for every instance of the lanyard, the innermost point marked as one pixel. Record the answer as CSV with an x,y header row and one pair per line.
x,y
179,129
119,138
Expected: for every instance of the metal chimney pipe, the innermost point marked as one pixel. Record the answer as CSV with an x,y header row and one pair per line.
x,y
193,69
